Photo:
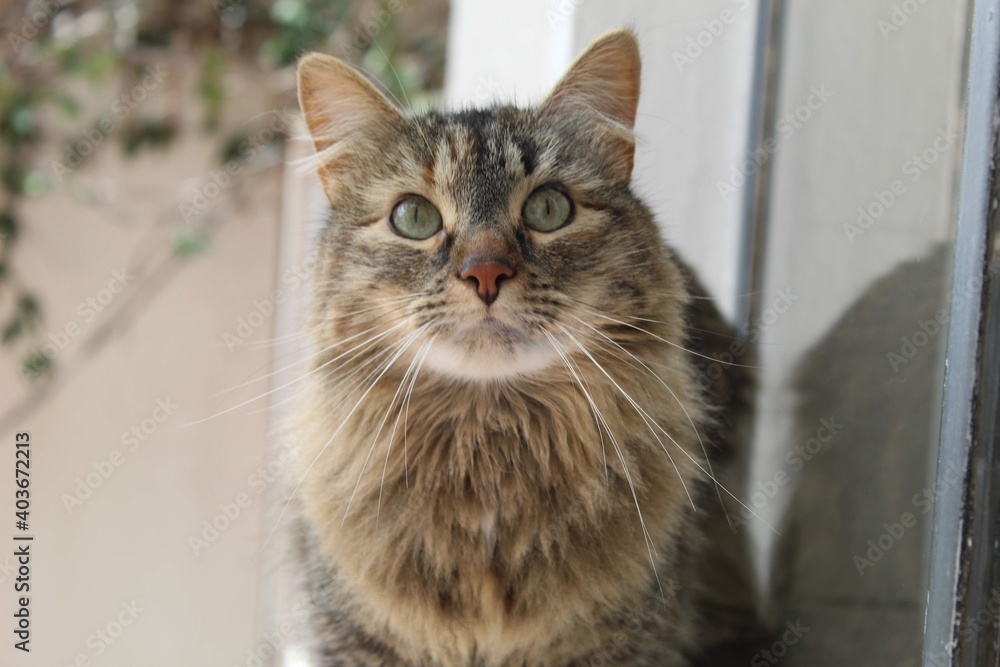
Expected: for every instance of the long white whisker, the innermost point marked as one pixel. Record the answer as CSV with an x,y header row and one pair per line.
x,y
322,450
317,353
374,359
687,414
371,450
683,451
406,413
584,386
642,413
664,340
392,434
298,379
277,340
364,381
650,547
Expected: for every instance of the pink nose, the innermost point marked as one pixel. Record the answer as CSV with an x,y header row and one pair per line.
x,y
487,274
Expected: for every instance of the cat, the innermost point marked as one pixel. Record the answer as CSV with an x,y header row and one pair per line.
x,y
509,426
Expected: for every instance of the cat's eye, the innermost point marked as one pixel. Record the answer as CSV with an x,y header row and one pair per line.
x,y
416,218
547,209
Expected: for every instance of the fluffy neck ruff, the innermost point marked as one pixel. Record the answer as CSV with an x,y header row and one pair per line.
x,y
509,519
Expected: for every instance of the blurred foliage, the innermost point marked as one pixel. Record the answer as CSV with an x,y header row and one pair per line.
x,y
53,49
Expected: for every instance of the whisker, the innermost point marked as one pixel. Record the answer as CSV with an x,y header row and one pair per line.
x,y
642,413
375,358
323,449
395,74
701,442
392,434
650,547
371,450
311,356
585,387
298,379
277,340
672,344
683,451
406,413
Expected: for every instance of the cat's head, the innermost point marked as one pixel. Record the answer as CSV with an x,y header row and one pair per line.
x,y
500,234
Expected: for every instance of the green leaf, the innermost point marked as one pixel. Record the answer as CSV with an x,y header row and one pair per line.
x,y
231,149
28,305
188,243
8,226
12,331
68,105
100,64
35,183
289,12
22,121
211,87
35,365
13,178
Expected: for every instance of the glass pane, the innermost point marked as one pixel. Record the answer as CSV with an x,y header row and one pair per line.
x,y
852,322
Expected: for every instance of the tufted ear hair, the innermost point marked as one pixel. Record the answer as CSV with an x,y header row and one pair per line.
x,y
340,106
604,82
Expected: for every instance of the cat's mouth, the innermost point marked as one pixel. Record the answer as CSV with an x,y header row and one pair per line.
x,y
493,329
489,348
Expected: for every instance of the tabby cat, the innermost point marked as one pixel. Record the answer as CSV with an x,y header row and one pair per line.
x,y
507,435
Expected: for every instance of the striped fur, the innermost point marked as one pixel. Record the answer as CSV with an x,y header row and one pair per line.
x,y
502,486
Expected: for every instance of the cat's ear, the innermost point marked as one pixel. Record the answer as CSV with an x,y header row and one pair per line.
x,y
340,106
604,80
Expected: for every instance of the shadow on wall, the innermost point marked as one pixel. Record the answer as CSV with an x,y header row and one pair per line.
x,y
853,559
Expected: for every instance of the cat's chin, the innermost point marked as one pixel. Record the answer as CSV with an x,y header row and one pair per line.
x,y
485,362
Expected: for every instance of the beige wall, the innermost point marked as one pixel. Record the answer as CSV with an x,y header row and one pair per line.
x,y
129,541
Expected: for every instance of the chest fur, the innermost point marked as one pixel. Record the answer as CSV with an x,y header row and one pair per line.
x,y
502,523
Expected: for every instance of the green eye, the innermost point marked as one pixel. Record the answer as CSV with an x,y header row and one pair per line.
x,y
416,218
547,209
